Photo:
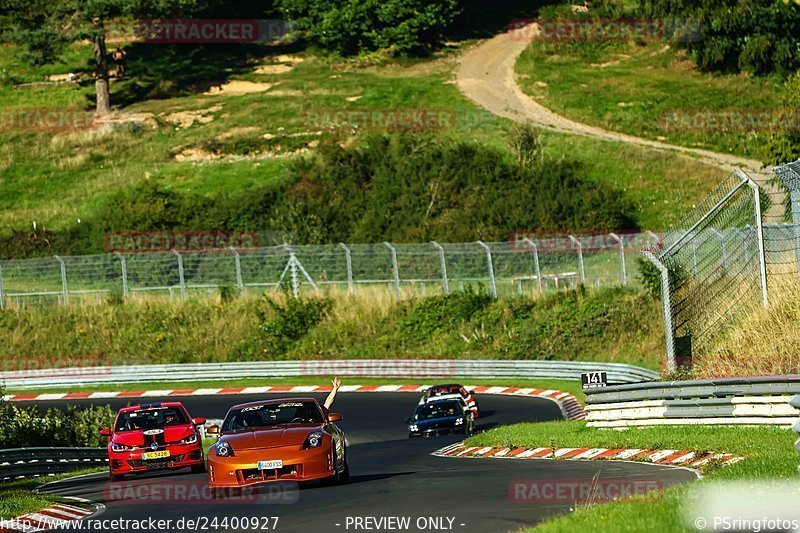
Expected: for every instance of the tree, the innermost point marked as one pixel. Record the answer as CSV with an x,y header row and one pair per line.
x,y
45,27
353,26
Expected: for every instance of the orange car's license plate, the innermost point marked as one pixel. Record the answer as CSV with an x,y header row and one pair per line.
x,y
270,465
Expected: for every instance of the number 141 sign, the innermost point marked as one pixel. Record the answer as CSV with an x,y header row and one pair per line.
x,y
590,380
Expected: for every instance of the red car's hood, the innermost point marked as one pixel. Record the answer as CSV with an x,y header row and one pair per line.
x,y
137,438
294,435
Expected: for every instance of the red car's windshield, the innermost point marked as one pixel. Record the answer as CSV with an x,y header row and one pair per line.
x,y
151,418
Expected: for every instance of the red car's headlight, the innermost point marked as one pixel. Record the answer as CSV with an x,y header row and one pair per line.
x,y
191,439
115,447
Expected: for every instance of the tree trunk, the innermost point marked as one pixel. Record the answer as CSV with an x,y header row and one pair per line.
x,y
101,69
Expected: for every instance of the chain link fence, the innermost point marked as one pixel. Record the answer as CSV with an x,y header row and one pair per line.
x,y
525,265
724,258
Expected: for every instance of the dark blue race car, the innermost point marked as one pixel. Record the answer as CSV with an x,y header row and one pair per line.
x,y
441,417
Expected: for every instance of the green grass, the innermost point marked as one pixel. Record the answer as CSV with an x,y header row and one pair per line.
x,y
573,387
57,178
17,497
612,325
627,86
769,453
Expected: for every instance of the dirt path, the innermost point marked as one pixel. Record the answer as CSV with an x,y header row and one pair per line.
x,y
486,76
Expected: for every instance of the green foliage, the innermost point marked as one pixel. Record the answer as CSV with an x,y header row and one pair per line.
x,y
398,188
756,36
434,314
227,293
527,145
354,26
285,323
28,427
651,277
783,145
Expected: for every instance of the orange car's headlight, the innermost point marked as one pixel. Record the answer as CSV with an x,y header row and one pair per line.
x,y
314,440
223,449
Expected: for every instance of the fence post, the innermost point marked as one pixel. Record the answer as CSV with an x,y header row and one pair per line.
x,y
577,243
621,257
180,274
124,274
63,278
395,270
2,294
238,265
536,263
351,286
760,234
443,264
795,199
666,310
492,283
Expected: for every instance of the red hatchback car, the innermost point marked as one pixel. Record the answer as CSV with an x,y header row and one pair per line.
x,y
155,436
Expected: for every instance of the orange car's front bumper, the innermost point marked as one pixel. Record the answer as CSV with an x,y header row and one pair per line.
x,y
242,468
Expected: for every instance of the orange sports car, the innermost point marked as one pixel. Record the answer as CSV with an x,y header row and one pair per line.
x,y
277,440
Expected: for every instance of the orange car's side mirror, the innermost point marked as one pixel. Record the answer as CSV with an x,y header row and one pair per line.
x,y
213,430
199,421
105,432
334,417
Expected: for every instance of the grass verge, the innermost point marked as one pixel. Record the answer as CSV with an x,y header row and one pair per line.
x,y
647,90
612,325
769,453
17,497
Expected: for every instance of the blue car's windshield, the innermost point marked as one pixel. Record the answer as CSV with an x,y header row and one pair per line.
x,y
437,410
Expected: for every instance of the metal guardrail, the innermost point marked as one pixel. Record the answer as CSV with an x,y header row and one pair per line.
x,y
737,401
796,404
27,462
375,368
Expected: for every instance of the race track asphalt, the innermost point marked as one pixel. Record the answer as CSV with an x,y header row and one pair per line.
x,y
392,476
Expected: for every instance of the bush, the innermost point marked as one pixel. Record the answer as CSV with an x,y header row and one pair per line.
x,y
75,427
354,26
429,315
283,324
757,36
396,187
651,277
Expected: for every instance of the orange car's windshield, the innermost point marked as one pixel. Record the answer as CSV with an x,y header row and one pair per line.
x,y
268,415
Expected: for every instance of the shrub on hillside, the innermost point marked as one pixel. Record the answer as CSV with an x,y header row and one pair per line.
x,y
353,26
756,36
429,315
395,187
284,323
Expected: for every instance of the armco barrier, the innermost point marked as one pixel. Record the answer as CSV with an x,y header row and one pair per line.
x,y
26,462
375,368
738,401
